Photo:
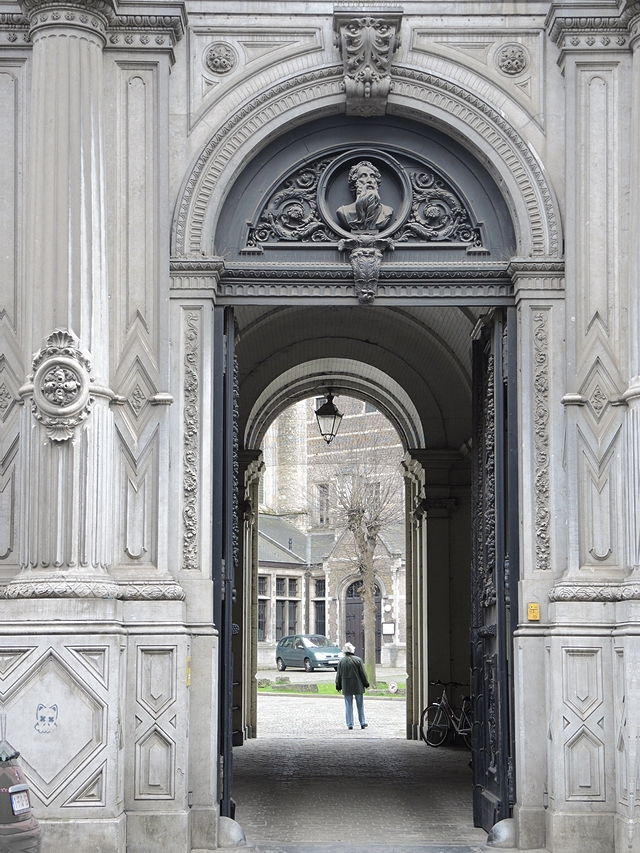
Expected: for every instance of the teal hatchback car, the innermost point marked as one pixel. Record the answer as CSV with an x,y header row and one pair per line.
x,y
307,651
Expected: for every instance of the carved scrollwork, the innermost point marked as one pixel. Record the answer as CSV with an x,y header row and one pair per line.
x,y
61,383
489,490
541,437
595,592
191,450
294,212
90,588
437,214
291,214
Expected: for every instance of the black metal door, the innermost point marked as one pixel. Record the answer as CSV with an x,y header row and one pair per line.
x,y
225,534
494,566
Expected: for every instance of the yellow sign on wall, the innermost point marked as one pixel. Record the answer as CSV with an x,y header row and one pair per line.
x,y
533,611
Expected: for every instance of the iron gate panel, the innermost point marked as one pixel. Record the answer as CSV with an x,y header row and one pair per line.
x,y
494,566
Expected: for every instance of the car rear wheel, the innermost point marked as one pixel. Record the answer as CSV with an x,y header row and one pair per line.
x,y
308,666
281,665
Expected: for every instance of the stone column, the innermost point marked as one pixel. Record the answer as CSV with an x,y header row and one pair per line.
x,y
67,427
415,593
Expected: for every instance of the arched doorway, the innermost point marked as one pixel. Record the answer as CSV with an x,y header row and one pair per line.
x,y
353,619
292,280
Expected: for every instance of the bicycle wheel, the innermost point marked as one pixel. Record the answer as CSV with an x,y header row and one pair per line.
x,y
464,728
433,725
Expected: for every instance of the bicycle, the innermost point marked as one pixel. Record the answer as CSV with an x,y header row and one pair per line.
x,y
439,718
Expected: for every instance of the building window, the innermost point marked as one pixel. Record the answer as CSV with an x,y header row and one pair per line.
x,y
369,408
373,498
321,622
319,401
281,586
321,588
322,503
293,587
292,612
262,585
280,623
262,619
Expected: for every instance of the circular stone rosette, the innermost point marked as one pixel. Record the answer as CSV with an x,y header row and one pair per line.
x,y
220,58
61,387
512,59
61,399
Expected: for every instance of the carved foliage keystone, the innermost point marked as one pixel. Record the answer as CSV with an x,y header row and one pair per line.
x,y
367,44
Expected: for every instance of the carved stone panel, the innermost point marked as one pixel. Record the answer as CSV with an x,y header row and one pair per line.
x,y
585,723
582,680
137,219
156,688
540,318
137,500
600,508
584,765
59,721
157,717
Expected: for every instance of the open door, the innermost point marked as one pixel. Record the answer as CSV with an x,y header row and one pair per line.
x,y
494,565
225,535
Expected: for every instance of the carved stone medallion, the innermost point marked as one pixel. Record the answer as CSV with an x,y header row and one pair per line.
x,y
512,59
220,58
61,399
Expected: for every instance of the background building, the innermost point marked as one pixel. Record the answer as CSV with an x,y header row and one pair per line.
x,y
308,579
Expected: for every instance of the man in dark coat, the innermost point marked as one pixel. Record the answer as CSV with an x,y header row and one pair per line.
x,y
351,679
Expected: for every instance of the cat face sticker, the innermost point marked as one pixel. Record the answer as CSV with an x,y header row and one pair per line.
x,y
46,719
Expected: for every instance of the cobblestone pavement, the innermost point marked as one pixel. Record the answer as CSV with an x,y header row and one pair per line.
x,y
309,785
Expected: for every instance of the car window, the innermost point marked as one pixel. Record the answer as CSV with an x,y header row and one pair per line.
x,y
317,641
299,644
286,642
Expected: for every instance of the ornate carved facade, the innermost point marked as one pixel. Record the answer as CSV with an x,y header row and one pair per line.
x,y
344,200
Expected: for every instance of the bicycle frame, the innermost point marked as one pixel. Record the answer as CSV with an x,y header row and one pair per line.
x,y
438,719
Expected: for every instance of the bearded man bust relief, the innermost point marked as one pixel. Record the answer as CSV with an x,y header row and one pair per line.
x,y
367,214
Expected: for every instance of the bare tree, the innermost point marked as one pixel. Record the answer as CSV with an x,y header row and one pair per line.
x,y
367,498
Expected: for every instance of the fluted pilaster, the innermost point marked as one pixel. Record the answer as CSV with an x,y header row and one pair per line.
x,y
67,428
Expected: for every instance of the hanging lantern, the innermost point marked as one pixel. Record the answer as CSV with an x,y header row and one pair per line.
x,y
328,419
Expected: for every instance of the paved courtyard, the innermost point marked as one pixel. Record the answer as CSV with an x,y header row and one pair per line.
x,y
309,785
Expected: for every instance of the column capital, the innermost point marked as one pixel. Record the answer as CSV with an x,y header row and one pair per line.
x,y
93,16
588,29
536,274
